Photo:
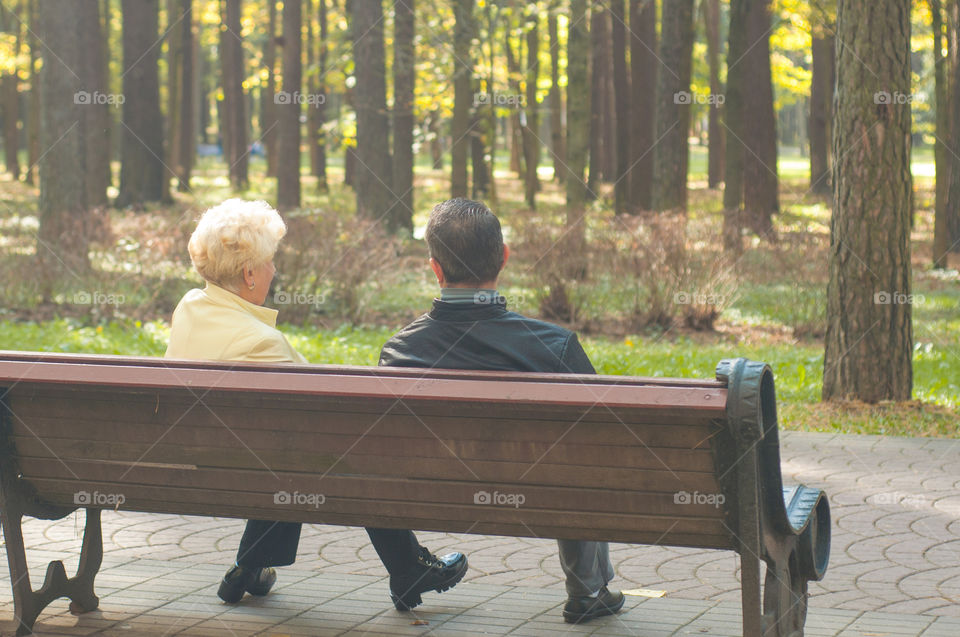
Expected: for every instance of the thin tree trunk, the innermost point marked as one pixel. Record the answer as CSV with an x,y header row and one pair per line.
x,y
869,340
760,181
821,103
531,141
609,157
942,160
268,105
463,98
599,39
673,112
578,130
63,239
320,149
403,85
514,127
375,199
288,110
9,94
643,70
734,125
141,151
715,133
555,98
186,138
96,114
33,112
234,120
621,96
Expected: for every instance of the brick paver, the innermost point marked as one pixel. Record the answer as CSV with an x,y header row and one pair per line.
x,y
895,567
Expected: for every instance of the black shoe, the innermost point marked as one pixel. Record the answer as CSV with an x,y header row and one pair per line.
x,y
239,580
582,609
430,573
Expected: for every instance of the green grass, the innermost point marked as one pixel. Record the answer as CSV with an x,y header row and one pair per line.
x,y
798,368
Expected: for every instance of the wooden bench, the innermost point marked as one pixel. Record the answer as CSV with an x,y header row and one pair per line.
x,y
674,462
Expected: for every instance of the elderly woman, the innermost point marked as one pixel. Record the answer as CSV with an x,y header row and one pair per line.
x,y
232,248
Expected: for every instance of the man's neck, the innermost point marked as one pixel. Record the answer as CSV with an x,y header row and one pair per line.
x,y
468,295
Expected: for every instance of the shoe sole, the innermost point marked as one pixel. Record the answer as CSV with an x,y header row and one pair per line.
x,y
600,611
412,600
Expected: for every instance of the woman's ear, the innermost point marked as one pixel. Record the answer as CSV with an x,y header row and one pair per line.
x,y
248,279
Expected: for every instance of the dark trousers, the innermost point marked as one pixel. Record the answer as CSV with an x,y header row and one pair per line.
x,y
266,543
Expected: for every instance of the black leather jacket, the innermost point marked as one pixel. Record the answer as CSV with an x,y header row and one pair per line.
x,y
485,336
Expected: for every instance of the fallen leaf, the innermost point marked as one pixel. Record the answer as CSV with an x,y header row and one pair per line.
x,y
644,592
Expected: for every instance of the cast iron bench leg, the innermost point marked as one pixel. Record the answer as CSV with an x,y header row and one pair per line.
x,y
28,603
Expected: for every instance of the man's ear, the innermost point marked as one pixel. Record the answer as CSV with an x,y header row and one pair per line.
x,y
506,255
437,270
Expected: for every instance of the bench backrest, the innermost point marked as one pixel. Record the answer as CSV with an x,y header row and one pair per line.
x,y
583,457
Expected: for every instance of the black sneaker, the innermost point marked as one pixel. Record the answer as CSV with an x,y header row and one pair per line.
x,y
583,609
430,573
239,580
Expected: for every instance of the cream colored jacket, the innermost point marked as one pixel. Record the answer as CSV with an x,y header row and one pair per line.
x,y
215,324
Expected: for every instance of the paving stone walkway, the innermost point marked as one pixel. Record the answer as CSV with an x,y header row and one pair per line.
x,y
895,567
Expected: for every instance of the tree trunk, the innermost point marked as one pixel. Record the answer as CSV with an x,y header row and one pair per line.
x,y
96,114
268,95
760,183
531,121
375,199
621,96
952,221
942,159
578,130
715,133
462,98
64,216
186,138
599,53
234,120
821,104
643,71
514,126
869,341
478,150
141,149
288,110
180,90
555,99
33,112
9,95
436,140
403,85
733,113
673,110
609,157
318,111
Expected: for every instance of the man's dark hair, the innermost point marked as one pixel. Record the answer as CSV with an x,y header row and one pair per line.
x,y
464,237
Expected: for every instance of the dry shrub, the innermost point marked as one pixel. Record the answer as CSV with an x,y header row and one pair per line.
x,y
331,266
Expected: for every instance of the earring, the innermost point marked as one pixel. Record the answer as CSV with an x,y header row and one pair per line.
x,y
251,286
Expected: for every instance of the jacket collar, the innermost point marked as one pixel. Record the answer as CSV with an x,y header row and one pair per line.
x,y
444,311
226,298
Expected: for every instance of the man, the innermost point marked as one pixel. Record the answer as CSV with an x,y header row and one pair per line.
x,y
469,327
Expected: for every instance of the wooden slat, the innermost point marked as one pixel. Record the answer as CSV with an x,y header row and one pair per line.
x,y
445,390
123,411
407,372
259,504
384,466
115,477
433,442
